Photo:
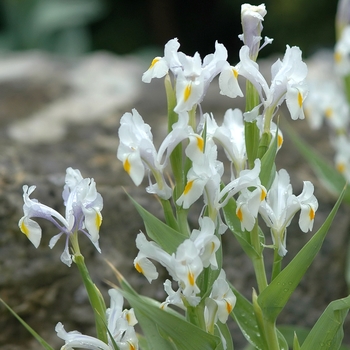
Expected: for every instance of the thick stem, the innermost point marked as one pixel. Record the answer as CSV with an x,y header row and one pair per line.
x,y
271,335
258,261
95,298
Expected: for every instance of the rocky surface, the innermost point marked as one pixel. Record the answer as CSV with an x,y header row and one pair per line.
x,y
55,114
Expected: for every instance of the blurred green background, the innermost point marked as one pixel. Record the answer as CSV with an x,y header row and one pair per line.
x,y
73,27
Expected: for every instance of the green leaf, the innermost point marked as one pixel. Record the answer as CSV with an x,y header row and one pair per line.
x,y
326,173
41,341
166,329
222,330
275,296
327,333
296,345
168,238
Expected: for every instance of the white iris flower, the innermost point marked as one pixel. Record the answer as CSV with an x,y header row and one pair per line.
x,y
83,213
120,324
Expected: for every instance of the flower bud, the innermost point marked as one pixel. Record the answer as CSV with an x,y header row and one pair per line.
x,y
252,17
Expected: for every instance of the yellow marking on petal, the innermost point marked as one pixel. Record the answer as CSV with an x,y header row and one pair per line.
x,y
337,57
188,186
131,346
300,99
279,140
341,167
229,307
263,195
311,214
127,166
187,92
98,220
212,247
138,268
190,277
328,113
239,214
200,143
24,229
235,72
155,60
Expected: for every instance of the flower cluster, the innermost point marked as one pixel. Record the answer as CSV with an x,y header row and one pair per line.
x,y
252,190
202,173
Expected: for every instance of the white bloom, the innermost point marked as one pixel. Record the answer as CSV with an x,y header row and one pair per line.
x,y
231,136
192,75
120,326
83,213
341,145
342,53
281,205
288,81
138,154
220,302
252,17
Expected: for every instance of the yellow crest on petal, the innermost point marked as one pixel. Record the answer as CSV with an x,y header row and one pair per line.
x,y
300,99
24,228
240,214
138,268
200,143
154,61
229,307
187,92
311,214
127,166
190,277
188,186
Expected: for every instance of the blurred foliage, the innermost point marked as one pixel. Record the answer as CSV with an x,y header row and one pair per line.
x,y
52,25
125,26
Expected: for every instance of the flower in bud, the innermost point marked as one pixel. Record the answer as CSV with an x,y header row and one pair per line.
x,y
252,17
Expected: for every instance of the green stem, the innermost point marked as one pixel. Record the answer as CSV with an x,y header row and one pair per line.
x,y
347,87
252,133
271,335
277,262
169,214
96,300
258,261
195,315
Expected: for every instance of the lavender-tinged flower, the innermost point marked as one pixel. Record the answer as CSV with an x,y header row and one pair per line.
x,y
83,213
120,326
252,17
